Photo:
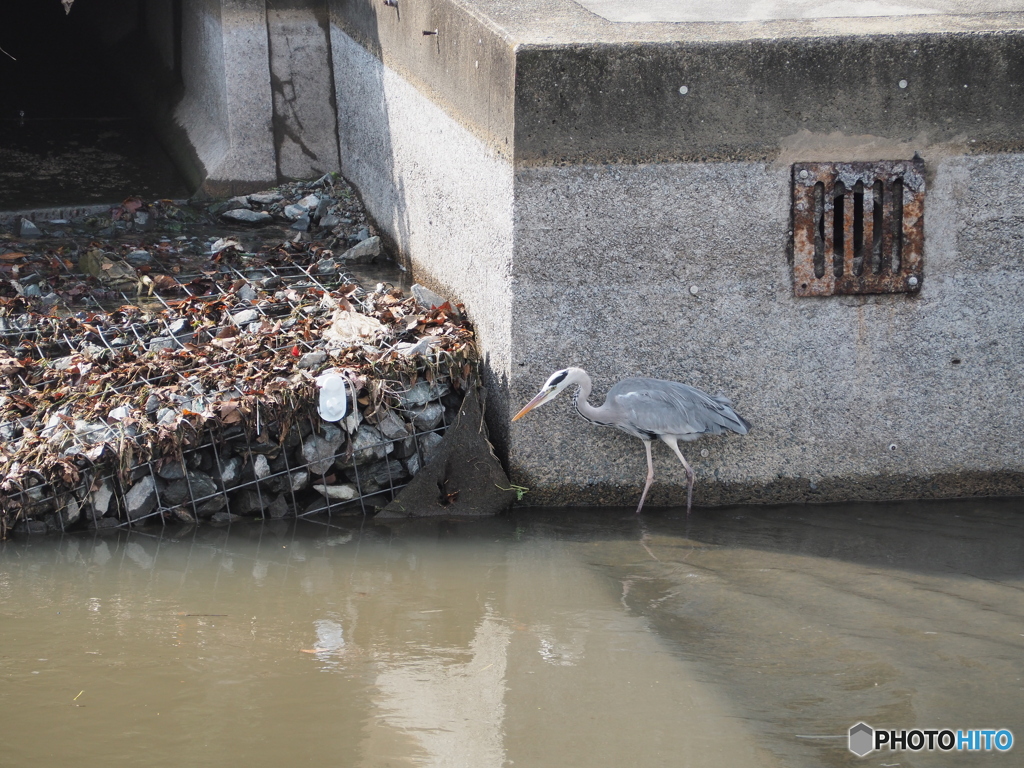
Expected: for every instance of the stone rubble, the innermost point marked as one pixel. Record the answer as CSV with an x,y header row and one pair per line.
x,y
177,380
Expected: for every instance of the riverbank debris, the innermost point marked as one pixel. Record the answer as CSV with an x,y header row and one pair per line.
x,y
146,379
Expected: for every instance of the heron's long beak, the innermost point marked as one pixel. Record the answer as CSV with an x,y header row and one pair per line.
x,y
540,398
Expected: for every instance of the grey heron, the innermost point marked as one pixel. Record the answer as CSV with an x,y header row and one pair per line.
x,y
648,409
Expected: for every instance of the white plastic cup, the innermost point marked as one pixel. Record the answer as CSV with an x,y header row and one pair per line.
x,y
333,399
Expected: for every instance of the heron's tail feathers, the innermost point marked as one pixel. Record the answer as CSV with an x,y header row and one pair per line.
x,y
731,419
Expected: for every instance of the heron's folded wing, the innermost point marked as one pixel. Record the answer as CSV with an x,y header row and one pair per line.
x,y
670,408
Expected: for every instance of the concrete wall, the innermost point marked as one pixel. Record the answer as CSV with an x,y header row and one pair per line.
x,y
441,193
636,229
301,72
851,397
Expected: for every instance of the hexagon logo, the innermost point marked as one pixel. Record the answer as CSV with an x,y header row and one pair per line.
x,y
862,738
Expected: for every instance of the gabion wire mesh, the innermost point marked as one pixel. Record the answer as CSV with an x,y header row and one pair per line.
x,y
203,407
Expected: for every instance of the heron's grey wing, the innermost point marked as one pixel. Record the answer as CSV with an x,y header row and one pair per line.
x,y
657,407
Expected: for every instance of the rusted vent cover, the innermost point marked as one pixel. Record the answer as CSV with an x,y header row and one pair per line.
x,y
858,227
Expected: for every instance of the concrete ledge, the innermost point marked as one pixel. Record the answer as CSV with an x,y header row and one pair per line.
x,y
743,100
467,68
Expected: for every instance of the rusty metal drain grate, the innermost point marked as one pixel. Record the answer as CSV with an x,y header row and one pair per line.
x,y
858,227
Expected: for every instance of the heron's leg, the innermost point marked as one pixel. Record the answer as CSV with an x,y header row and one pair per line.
x,y
650,476
672,443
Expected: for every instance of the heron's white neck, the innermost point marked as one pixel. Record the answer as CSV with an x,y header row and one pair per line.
x,y
584,386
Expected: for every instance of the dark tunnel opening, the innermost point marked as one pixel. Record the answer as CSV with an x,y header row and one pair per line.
x,y
71,132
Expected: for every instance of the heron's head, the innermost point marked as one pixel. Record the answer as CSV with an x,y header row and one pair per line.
x,y
552,388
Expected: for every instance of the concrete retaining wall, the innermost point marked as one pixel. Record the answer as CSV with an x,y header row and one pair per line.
x,y
629,237
441,193
679,271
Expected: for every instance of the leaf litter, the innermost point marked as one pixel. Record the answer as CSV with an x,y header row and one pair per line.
x,y
165,342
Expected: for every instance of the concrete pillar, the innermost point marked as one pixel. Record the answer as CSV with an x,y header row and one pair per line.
x,y
227,108
305,119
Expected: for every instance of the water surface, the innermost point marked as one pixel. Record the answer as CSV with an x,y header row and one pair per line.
x,y
737,637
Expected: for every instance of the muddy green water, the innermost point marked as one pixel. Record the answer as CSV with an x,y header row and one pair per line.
x,y
737,637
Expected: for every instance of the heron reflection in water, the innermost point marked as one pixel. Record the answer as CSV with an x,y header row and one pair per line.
x,y
649,409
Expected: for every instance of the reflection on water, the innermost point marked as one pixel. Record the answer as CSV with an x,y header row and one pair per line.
x,y
736,637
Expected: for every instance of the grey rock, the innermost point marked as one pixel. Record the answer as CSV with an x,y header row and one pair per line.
x,y
329,221
224,517
362,234
405,448
245,316
166,416
245,216
247,293
28,229
101,497
277,507
428,417
32,291
261,467
139,258
312,359
393,426
142,498
369,445
427,297
294,212
298,480
194,486
326,266
301,224
309,202
247,501
319,450
210,506
265,198
428,445
183,515
230,472
413,464
269,283
172,471
163,342
422,392
364,251
321,209
340,492
378,475
71,512
50,300
152,404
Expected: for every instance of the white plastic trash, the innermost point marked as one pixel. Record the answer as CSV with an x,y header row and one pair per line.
x,y
333,400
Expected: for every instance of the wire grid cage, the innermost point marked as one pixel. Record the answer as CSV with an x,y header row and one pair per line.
x,y
254,455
